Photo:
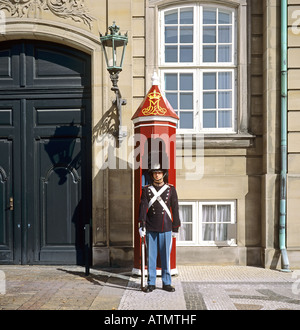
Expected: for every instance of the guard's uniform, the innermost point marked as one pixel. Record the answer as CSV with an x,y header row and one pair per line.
x,y
159,209
158,214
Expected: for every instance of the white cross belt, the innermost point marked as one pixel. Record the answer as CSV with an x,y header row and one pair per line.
x,y
157,197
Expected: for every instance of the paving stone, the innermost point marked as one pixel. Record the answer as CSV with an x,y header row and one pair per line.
x,y
197,288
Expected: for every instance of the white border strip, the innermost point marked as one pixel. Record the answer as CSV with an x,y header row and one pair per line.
x,y
145,125
154,118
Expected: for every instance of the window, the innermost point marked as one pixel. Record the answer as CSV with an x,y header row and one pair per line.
x,y
179,35
179,89
217,35
198,66
218,99
207,223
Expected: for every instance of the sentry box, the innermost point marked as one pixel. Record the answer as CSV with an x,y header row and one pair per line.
x,y
155,124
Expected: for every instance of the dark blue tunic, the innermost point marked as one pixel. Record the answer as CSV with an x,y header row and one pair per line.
x,y
156,218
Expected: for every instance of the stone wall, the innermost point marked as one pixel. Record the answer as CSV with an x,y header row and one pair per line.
x,y
293,192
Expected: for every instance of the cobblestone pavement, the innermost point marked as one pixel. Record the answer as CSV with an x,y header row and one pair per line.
x,y
197,288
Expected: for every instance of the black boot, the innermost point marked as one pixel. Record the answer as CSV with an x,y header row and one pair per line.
x,y
149,288
168,288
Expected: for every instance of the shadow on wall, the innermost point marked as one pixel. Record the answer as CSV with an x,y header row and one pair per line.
x,y
108,124
112,195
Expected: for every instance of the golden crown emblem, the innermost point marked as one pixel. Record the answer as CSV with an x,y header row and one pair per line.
x,y
154,108
154,95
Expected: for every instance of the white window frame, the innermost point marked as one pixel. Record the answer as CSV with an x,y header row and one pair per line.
x,y
233,61
162,37
198,100
231,129
198,67
196,82
197,222
195,235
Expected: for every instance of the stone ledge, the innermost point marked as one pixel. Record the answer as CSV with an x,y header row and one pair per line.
x,y
214,141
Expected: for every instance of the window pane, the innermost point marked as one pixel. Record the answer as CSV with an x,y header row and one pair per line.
x,y
171,54
209,17
209,80
224,213
209,100
186,54
209,119
224,99
225,53
224,119
186,232
186,213
208,232
186,81
224,18
209,53
208,213
186,101
171,34
186,16
171,81
225,34
171,17
225,80
186,34
186,120
222,232
172,98
209,34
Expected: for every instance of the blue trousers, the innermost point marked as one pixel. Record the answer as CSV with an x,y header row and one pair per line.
x,y
163,242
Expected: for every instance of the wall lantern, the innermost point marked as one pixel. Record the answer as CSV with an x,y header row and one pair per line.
x,y
114,46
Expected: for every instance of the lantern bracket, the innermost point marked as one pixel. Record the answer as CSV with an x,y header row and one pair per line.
x,y
111,43
118,102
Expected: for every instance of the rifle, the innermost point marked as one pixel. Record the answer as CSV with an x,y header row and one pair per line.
x,y
143,255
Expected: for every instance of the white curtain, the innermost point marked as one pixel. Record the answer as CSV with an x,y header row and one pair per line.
x,y
208,222
186,229
215,220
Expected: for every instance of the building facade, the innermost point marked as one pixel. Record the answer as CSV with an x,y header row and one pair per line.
x,y
219,64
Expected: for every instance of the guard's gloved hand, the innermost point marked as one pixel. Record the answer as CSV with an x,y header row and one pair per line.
x,y
142,232
175,235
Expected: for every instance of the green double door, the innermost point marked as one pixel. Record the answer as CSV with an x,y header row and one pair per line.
x,y
45,153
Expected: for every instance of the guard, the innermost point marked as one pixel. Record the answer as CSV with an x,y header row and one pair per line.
x,y
159,210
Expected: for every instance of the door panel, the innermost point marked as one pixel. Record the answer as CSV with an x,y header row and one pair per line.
x,y
10,239
45,163
61,226
6,248
10,65
60,173
53,65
